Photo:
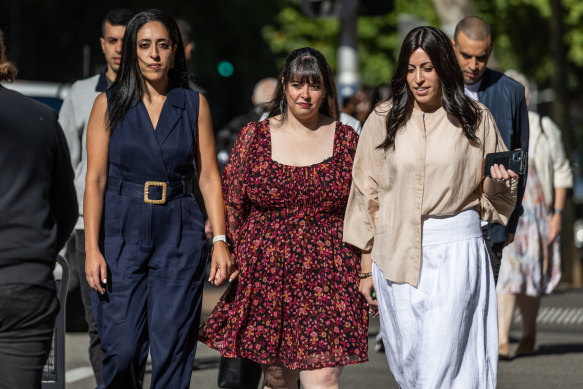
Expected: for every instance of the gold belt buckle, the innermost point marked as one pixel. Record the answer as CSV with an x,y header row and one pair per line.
x,y
147,186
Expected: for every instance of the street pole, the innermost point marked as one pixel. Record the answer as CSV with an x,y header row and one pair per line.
x,y
348,66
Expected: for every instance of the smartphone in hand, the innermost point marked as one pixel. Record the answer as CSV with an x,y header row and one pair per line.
x,y
515,160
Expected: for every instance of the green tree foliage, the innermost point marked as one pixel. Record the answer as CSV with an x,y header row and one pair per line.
x,y
520,29
292,30
522,38
377,36
574,23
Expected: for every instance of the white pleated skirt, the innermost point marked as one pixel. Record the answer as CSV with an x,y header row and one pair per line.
x,y
444,332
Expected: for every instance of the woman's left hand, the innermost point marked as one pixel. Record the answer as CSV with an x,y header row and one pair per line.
x,y
222,266
498,180
554,228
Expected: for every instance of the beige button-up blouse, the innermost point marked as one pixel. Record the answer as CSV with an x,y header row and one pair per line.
x,y
432,170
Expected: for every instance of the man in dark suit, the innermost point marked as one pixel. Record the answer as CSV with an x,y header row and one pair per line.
x,y
505,99
38,210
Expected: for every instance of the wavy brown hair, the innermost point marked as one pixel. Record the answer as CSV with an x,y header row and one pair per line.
x,y
453,99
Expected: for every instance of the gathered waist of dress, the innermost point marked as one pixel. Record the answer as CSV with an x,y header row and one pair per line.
x,y
299,212
151,191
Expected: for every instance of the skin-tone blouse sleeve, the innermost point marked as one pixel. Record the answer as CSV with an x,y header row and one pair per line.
x,y
499,207
363,203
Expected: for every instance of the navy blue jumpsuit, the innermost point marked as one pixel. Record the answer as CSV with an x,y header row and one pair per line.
x,y
154,252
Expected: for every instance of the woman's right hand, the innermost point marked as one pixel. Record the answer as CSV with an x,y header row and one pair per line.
x,y
96,271
366,285
222,266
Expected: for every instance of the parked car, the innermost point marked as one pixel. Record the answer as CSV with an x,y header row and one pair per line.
x,y
50,93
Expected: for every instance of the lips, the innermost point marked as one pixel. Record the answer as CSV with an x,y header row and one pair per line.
x,y
422,91
155,66
305,105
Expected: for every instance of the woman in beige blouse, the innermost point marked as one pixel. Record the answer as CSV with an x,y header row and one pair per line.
x,y
417,198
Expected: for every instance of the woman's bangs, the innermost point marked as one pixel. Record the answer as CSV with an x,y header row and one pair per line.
x,y
305,70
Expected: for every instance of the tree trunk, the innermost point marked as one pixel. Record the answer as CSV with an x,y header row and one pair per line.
x,y
571,261
450,12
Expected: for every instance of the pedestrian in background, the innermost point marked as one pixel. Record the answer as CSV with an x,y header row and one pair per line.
x,y
263,94
143,136
73,117
505,100
38,210
186,34
531,265
295,307
417,197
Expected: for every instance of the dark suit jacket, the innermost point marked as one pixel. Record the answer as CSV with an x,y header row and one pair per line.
x,y
38,203
505,99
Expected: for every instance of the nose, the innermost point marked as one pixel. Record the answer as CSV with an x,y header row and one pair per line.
x,y
118,46
305,90
419,77
154,51
474,63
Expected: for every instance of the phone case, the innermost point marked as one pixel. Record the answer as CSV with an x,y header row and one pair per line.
x,y
515,160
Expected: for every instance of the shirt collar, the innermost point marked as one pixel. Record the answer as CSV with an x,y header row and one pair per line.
x,y
102,83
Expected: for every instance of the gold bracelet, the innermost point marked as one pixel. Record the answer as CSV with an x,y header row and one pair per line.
x,y
364,275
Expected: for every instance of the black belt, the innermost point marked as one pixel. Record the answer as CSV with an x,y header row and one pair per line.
x,y
163,191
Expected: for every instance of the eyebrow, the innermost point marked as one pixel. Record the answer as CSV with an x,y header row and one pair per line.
x,y
469,55
157,40
423,64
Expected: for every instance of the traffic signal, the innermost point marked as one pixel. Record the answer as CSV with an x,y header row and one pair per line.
x,y
225,68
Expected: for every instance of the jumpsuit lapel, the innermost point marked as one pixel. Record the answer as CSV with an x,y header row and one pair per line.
x,y
150,139
170,115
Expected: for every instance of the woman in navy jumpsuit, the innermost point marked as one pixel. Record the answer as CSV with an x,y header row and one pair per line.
x,y
144,232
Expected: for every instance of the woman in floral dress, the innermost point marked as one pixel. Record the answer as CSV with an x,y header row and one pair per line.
x,y
531,265
295,307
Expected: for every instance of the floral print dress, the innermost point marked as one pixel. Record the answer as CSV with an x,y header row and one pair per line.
x,y
529,266
296,299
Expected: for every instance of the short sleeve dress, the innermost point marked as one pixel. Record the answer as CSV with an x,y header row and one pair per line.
x,y
296,299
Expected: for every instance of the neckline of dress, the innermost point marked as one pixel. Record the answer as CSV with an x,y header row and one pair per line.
x,y
326,160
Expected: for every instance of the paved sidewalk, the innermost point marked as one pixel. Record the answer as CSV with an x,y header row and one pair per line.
x,y
558,362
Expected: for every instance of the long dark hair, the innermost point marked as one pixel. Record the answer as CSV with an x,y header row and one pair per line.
x,y
303,65
439,49
129,87
7,69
